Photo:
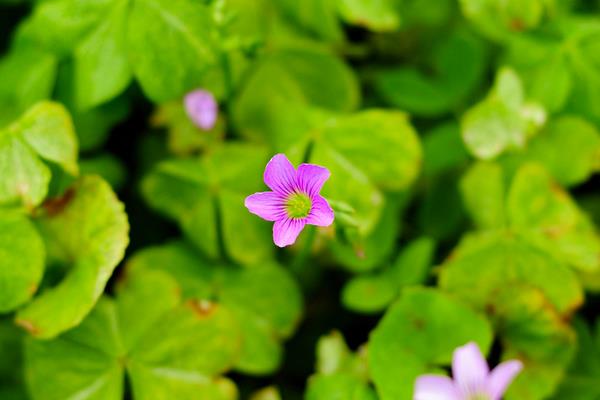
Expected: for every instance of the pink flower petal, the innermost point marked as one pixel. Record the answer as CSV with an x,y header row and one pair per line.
x,y
202,108
310,178
469,368
280,175
285,231
435,387
321,213
502,376
267,205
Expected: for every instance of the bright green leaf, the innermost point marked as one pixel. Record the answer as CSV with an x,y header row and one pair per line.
x,y
420,330
169,55
22,258
102,69
86,230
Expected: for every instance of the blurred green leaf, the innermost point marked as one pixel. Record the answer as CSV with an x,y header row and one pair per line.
x,y
22,260
28,76
369,293
169,55
59,25
528,295
86,230
503,120
273,105
206,197
102,69
340,374
369,151
443,149
11,364
319,17
378,15
374,292
567,135
264,299
177,348
44,132
499,19
560,70
547,216
419,331
338,387
183,137
458,65
484,194
109,167
581,380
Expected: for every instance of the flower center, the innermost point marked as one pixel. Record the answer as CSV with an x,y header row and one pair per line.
x,y
479,396
298,205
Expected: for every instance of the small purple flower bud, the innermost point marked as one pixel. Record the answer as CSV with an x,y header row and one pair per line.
x,y
202,108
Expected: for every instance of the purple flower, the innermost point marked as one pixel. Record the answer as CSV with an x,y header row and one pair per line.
x,y
472,378
294,200
202,108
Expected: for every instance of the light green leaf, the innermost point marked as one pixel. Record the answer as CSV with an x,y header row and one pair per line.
x,y
548,217
28,76
82,366
22,257
567,135
60,25
372,293
411,267
198,192
275,103
48,129
166,348
318,17
169,55
351,185
25,177
45,131
502,120
560,70
264,299
369,293
367,253
508,260
499,19
377,15
87,230
420,330
338,387
382,144
484,194
102,69
528,294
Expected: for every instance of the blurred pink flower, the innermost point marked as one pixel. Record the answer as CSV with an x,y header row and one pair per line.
x,y
472,378
202,108
294,200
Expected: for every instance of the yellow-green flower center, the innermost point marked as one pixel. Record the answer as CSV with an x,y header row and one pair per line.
x,y
479,396
298,205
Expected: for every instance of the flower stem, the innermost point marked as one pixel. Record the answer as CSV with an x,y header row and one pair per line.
x,y
227,78
304,254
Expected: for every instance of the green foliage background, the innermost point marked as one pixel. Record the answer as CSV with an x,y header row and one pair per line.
x,y
463,141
